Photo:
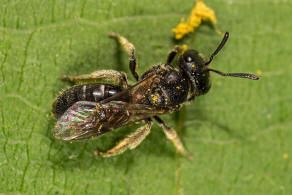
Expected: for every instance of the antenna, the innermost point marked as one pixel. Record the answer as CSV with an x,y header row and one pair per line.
x,y
220,46
241,75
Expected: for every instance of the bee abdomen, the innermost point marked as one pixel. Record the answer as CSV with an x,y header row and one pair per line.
x,y
93,92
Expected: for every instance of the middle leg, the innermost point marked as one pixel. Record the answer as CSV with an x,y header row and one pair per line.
x,y
114,76
129,47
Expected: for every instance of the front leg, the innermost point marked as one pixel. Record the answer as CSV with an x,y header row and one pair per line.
x,y
113,76
130,142
177,50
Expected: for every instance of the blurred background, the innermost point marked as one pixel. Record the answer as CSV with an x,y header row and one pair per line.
x,y
239,133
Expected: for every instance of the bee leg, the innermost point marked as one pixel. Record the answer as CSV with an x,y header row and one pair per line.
x,y
130,49
130,142
113,76
191,98
173,53
172,135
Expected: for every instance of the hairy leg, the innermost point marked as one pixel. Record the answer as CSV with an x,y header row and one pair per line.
x,y
130,142
172,135
114,76
130,49
177,50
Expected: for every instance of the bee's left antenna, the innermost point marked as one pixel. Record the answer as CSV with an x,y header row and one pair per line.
x,y
220,46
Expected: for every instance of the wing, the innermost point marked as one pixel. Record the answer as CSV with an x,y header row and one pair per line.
x,y
85,119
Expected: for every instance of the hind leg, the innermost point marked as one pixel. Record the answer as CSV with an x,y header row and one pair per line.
x,y
130,142
174,138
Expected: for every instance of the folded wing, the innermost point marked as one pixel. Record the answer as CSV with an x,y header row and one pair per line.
x,y
87,119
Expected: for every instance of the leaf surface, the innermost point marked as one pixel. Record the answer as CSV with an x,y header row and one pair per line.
x,y
240,133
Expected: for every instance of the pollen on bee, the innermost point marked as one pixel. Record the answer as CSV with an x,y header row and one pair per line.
x,y
199,13
165,100
154,98
99,128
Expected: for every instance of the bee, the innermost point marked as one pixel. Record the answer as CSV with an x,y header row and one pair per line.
x,y
92,109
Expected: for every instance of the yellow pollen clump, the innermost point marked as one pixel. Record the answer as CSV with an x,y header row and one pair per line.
x,y
199,13
259,72
99,128
182,49
178,87
154,98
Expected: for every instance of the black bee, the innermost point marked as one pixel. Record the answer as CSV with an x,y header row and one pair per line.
x,y
89,110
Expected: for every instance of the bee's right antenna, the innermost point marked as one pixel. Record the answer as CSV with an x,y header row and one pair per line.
x,y
241,75
225,38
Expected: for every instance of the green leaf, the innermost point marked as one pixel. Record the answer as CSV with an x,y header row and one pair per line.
x,y
239,133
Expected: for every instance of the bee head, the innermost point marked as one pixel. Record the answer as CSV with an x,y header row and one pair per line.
x,y
197,69
193,66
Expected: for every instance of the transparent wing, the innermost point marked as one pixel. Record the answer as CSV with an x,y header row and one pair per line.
x,y
76,114
86,119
